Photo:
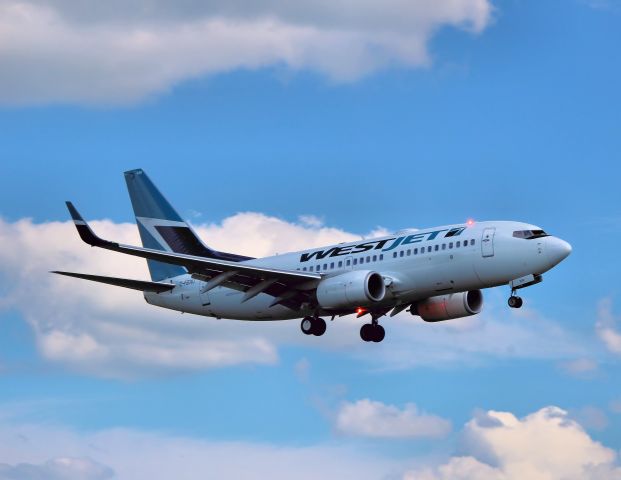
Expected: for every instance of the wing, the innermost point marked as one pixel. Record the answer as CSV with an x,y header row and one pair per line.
x,y
288,287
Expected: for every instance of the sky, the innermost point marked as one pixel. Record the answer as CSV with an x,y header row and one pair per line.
x,y
275,126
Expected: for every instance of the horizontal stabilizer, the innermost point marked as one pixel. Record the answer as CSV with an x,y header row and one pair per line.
x,y
157,287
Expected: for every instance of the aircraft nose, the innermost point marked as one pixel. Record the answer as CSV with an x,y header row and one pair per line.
x,y
557,250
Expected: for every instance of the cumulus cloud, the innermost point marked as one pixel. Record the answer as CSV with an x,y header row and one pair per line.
x,y
110,331
606,326
369,418
122,51
546,444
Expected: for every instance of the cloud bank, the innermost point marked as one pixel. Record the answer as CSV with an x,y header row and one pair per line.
x,y
544,445
112,332
123,51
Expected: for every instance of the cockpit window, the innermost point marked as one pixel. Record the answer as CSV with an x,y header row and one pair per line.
x,y
529,234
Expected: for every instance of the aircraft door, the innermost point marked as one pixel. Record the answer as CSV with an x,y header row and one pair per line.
x,y
487,242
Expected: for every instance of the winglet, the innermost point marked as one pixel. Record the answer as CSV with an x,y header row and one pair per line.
x,y
86,234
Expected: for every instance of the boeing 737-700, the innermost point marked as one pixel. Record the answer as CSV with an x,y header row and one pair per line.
x,y
436,273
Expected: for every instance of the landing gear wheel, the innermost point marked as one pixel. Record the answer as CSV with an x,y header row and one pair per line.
x,y
372,333
313,326
366,332
378,333
307,325
319,326
515,301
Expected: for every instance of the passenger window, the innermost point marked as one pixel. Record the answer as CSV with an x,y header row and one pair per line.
x,y
401,253
450,244
437,247
381,256
340,264
409,252
457,245
375,258
394,254
325,266
416,251
355,261
429,249
368,258
310,269
465,243
472,242
348,263
444,246
332,265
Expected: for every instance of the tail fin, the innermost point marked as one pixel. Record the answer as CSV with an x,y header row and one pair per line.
x,y
162,228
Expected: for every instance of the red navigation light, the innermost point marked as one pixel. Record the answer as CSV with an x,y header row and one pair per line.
x,y
470,222
359,310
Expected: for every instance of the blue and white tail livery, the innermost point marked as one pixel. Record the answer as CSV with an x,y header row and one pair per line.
x,y
436,273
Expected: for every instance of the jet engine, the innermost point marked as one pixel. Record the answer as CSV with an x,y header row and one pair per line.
x,y
448,307
358,288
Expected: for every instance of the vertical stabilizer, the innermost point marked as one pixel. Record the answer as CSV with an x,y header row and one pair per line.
x,y
160,226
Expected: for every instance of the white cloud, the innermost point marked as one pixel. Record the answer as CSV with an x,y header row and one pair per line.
x,y
580,367
110,331
544,445
141,455
119,52
61,468
606,326
302,369
369,418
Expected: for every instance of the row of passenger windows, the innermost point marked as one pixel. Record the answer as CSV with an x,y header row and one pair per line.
x,y
339,264
435,248
380,257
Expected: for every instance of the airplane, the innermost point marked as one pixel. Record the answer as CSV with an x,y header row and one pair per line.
x,y
435,273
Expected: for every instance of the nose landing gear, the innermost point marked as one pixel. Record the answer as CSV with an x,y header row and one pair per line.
x,y
515,301
313,326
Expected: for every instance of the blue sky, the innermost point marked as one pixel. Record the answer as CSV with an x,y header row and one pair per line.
x,y
510,111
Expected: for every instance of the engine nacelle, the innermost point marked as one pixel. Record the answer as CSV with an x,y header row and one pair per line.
x,y
358,288
448,307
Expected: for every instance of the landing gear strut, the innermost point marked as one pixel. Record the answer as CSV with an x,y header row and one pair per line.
x,y
313,326
372,332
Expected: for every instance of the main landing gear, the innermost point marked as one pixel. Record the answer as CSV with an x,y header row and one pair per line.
x,y
372,332
313,326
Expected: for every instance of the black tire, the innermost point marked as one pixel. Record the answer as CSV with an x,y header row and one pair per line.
x,y
319,326
513,301
307,325
366,332
520,302
378,333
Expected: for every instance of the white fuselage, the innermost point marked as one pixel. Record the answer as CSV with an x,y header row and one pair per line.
x,y
415,264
